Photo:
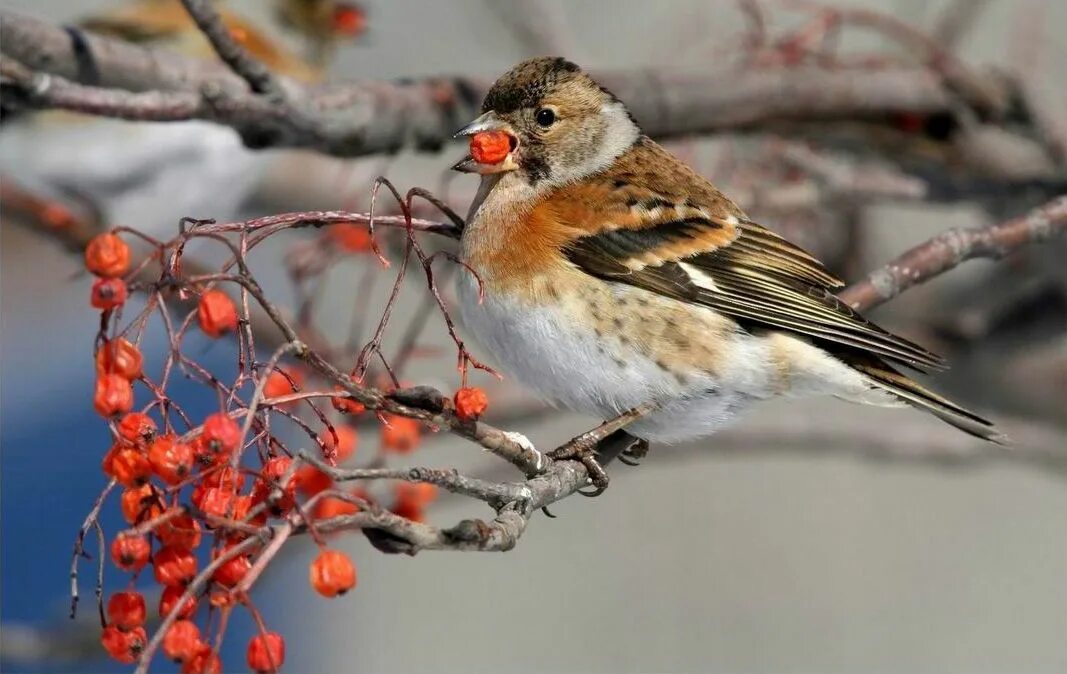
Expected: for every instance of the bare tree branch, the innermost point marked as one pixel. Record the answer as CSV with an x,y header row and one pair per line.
x,y
951,248
99,75
854,180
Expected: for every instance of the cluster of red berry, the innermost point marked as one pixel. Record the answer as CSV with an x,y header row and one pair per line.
x,y
159,469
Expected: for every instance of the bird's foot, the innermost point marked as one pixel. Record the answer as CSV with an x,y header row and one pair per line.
x,y
633,454
585,452
594,454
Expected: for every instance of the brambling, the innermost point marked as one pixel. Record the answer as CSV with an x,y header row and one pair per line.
x,y
611,275
167,23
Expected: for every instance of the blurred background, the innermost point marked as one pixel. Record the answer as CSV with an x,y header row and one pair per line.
x,y
813,536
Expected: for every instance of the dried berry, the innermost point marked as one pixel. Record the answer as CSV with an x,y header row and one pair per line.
x,y
129,466
169,599
266,653
171,460
347,405
126,610
119,356
221,433
130,553
310,480
332,573
232,571
206,661
107,255
344,446
113,395
490,147
140,504
108,293
181,531
348,19
137,428
282,382
125,647
400,434
351,238
216,313
174,566
182,641
470,402
270,477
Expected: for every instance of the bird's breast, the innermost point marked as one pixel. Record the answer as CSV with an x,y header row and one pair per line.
x,y
554,351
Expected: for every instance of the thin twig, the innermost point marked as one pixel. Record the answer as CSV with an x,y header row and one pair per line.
x,y
79,545
209,21
194,588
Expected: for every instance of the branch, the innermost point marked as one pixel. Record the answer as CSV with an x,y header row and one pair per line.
x,y
953,247
102,76
853,180
515,502
210,23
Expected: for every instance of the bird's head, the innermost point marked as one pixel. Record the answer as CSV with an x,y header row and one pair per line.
x,y
560,125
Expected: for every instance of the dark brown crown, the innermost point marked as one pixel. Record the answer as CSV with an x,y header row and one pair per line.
x,y
525,85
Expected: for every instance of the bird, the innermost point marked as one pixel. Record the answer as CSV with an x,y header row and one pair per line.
x,y
608,275
168,24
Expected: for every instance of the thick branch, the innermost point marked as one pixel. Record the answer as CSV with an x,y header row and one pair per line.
x,y
361,118
515,502
949,249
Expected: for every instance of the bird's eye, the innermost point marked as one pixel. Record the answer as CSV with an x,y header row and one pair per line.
x,y
545,117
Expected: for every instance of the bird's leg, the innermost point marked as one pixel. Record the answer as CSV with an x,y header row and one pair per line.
x,y
601,445
583,449
615,446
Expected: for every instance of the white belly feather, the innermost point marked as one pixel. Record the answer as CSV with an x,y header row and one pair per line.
x,y
571,368
568,365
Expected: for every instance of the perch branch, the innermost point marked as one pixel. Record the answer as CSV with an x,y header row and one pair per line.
x,y
953,247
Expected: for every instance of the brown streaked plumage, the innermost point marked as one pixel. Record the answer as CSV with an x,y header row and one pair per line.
x,y
717,258
615,274
167,21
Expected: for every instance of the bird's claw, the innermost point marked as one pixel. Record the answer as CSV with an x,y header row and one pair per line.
x,y
598,477
632,455
587,455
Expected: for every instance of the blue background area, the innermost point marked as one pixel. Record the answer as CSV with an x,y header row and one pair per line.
x,y
50,474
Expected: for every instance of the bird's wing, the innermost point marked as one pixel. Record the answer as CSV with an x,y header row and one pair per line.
x,y
141,21
651,222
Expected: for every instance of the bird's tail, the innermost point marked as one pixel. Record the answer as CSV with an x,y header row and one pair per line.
x,y
884,377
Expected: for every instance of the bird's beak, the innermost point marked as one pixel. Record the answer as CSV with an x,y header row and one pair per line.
x,y
487,122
